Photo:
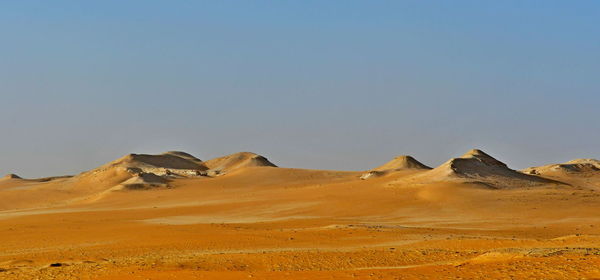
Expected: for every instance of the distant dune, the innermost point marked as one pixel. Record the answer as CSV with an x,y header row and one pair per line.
x,y
570,167
223,165
132,172
10,176
578,172
399,163
476,166
142,171
402,162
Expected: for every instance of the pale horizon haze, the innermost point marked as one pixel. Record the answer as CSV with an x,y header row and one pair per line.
x,y
343,85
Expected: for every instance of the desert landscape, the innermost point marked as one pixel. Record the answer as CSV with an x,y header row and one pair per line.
x,y
174,216
158,140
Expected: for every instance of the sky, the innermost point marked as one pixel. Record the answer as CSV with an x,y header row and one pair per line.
x,y
343,85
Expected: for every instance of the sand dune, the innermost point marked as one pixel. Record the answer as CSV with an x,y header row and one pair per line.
x,y
132,172
10,176
141,171
476,166
576,166
579,172
399,163
402,162
156,163
226,164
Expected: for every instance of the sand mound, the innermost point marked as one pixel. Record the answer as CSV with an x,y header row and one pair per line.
x,y
399,163
139,168
478,167
402,162
579,172
222,165
143,171
476,163
10,176
573,166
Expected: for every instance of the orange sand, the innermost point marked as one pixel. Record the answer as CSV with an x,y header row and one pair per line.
x,y
262,222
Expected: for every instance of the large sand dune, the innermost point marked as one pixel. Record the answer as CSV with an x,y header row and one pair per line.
x,y
222,165
477,167
579,172
399,163
173,216
402,162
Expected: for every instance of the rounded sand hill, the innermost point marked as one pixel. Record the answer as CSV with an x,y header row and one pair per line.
x,y
578,172
402,162
477,166
399,163
222,165
572,166
142,169
10,176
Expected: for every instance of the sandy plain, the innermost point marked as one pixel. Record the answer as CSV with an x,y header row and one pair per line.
x,y
240,217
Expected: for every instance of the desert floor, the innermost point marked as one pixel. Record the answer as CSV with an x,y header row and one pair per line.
x,y
279,223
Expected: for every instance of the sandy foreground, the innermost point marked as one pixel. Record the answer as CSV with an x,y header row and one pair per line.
x,y
264,222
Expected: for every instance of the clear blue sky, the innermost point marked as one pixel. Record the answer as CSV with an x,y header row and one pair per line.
x,y
311,84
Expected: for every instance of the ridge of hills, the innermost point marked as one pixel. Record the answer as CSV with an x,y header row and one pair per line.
x,y
142,171
145,171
